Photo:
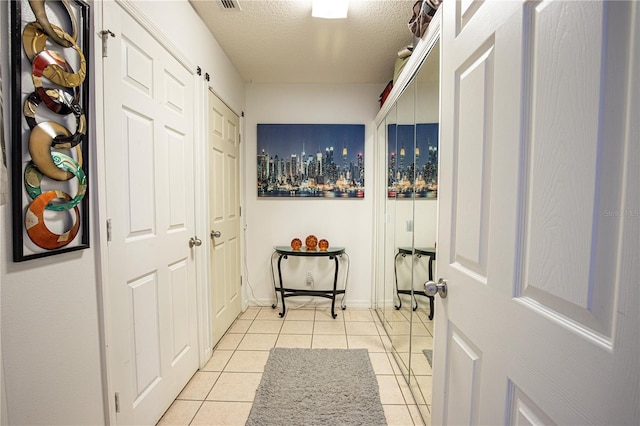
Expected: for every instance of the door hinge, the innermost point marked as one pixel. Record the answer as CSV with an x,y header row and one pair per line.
x,y
117,402
240,210
108,230
240,280
105,37
240,138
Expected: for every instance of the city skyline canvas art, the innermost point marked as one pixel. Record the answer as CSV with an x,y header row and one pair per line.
x,y
310,160
412,170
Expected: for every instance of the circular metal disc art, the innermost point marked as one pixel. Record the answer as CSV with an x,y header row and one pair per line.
x,y
41,15
58,101
33,177
52,65
59,141
37,229
40,142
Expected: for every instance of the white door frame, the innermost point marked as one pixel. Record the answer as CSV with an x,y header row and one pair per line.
x,y
199,169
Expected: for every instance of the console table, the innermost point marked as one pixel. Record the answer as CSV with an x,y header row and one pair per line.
x,y
418,252
332,253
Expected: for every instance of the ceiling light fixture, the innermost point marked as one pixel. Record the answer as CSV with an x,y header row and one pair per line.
x,y
330,9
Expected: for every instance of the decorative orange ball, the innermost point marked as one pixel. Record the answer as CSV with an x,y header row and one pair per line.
x,y
323,245
311,242
296,243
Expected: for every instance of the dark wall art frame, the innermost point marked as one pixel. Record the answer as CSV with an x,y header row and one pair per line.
x,y
310,160
50,53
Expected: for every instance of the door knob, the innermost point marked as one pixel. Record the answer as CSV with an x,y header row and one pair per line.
x,y
216,234
195,241
431,288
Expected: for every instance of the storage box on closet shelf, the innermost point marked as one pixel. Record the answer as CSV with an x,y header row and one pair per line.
x,y
403,56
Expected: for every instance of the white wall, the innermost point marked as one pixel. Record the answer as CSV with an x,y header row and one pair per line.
x,y
50,331
344,222
50,307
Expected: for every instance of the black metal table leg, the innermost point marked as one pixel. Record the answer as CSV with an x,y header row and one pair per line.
x,y
281,286
335,284
431,308
273,277
395,276
346,278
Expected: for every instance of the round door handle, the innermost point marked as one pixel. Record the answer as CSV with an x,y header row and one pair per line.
x,y
195,241
216,234
431,288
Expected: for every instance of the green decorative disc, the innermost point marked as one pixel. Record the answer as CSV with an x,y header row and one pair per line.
x,y
33,177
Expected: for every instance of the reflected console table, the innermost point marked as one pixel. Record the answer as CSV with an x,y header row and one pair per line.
x,y
333,253
418,252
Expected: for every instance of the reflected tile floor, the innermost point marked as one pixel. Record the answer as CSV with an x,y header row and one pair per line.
x,y
222,392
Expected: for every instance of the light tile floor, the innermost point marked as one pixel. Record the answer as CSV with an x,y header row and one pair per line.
x,y
222,392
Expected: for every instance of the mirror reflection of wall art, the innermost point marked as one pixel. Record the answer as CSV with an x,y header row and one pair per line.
x,y
311,160
50,100
412,174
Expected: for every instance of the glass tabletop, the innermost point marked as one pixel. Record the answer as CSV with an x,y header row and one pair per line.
x,y
331,251
425,251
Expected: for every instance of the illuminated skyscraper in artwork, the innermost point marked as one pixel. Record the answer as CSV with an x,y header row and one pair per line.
x,y
392,168
319,161
345,163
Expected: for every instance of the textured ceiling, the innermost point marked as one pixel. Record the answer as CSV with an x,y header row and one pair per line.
x,y
279,42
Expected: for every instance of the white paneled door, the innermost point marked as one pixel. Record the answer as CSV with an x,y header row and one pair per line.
x,y
539,214
224,216
148,141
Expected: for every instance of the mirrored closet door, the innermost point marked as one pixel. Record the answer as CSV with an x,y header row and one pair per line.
x,y
387,232
407,155
427,113
401,189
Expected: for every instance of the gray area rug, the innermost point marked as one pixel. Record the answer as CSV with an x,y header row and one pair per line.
x,y
429,354
317,387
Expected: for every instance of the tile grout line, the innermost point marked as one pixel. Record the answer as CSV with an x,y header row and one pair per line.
x,y
196,413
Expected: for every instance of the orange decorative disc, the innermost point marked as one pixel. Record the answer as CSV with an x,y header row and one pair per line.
x,y
323,245
37,229
296,243
311,242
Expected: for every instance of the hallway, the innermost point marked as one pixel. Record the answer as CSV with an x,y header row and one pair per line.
x,y
222,392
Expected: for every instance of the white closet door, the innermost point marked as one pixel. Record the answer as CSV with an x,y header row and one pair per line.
x,y
224,216
150,202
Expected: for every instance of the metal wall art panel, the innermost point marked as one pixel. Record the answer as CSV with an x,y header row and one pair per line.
x,y
311,160
49,127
